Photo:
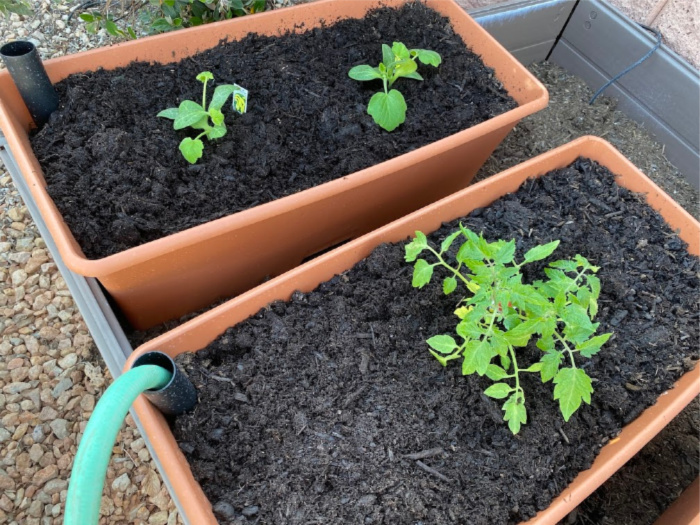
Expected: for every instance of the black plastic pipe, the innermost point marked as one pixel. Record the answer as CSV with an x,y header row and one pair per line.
x,y
27,71
179,395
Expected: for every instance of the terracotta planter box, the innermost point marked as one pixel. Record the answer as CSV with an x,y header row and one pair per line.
x,y
685,510
199,332
186,271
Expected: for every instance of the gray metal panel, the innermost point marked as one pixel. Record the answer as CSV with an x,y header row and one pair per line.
x,y
87,294
663,93
526,28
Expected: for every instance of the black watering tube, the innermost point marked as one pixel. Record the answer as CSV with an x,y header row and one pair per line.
x,y
27,71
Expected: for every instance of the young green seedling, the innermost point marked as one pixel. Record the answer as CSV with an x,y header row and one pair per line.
x,y
388,109
502,313
195,116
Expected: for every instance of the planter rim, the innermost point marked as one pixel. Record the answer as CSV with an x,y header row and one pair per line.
x,y
610,458
72,253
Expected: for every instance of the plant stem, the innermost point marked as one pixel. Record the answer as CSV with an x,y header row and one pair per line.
x,y
443,263
516,370
566,347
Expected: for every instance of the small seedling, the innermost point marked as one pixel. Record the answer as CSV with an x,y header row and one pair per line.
x,y
388,109
195,116
503,313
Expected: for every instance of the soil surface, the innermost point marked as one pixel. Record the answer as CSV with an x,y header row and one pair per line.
x,y
330,409
117,176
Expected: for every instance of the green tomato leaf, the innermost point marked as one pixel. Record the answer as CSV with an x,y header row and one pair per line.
x,y
551,361
578,326
520,335
495,373
189,113
170,113
477,357
505,254
592,346
447,242
449,285
364,73
498,391
572,387
388,110
204,76
566,265
515,412
541,252
427,57
444,344
422,273
191,149
86,17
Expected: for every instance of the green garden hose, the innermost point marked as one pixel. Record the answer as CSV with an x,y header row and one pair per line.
x,y
90,465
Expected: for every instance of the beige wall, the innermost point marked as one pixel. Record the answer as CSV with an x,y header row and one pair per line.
x,y
678,20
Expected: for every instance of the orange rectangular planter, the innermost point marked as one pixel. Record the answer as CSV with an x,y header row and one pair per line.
x,y
202,330
186,271
685,510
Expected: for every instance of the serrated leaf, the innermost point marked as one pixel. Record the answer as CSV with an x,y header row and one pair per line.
x,y
444,344
447,241
220,96
515,412
495,373
412,251
536,367
505,255
572,387
469,329
477,357
498,391
449,285
427,57
505,361
541,252
388,109
545,343
191,149
578,326
520,335
566,265
170,113
422,273
462,312
593,345
364,73
594,284
551,361
189,113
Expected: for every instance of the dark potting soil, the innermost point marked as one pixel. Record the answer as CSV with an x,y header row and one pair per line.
x,y
330,409
116,174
